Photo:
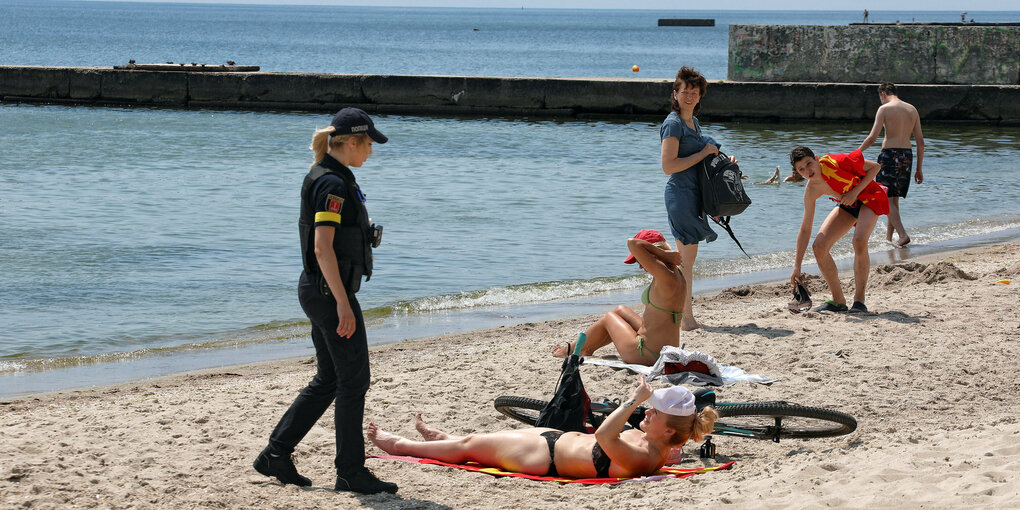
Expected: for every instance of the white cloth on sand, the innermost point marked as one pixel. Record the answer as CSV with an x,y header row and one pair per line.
x,y
680,366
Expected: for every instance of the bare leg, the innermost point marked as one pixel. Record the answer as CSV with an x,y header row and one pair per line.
x,y
389,443
633,318
611,321
429,432
445,450
837,223
896,223
866,222
771,180
562,350
597,335
688,252
517,450
625,338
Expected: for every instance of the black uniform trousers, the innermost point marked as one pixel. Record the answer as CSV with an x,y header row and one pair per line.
x,y
342,374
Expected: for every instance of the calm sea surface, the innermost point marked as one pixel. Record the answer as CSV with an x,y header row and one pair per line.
x,y
395,40
141,234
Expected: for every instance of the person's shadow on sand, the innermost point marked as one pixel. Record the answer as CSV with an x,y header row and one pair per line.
x,y
396,500
381,500
891,315
750,328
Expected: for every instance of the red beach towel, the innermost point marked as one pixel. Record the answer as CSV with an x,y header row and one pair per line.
x,y
662,474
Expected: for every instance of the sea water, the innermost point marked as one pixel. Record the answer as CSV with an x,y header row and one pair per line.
x,y
141,241
396,40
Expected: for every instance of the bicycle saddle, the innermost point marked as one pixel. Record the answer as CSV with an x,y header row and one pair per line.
x,y
704,397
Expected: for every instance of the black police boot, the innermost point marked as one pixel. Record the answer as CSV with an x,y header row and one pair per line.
x,y
364,482
281,467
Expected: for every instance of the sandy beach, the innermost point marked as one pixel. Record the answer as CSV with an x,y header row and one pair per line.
x,y
930,374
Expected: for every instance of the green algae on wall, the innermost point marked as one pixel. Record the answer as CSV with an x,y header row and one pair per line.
x,y
875,53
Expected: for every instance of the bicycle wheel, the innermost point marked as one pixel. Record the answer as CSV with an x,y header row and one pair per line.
x,y
775,420
522,409
526,410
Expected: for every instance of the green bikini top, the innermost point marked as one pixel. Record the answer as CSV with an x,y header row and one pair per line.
x,y
644,300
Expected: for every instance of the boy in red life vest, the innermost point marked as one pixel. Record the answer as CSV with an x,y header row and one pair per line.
x,y
848,179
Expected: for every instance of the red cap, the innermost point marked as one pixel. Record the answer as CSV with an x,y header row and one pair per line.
x,y
652,236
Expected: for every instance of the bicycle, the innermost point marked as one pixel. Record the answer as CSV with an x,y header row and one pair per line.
x,y
773,420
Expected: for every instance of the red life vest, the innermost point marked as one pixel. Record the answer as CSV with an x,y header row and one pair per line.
x,y
844,171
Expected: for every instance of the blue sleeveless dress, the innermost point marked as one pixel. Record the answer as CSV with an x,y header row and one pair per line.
x,y
687,222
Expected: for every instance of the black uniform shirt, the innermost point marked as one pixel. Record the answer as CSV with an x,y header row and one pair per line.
x,y
332,201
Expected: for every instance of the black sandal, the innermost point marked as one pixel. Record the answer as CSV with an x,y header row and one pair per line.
x,y
858,307
830,306
801,300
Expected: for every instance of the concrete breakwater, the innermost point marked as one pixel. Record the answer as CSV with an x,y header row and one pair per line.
x,y
479,95
911,53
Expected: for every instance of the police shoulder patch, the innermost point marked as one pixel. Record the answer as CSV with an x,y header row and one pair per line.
x,y
334,203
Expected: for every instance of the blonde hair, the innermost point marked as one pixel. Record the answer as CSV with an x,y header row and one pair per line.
x,y
322,142
694,427
664,245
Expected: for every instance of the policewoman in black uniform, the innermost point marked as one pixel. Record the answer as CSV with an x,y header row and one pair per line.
x,y
337,238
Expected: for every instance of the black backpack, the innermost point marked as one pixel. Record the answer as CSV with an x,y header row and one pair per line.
x,y
722,192
570,404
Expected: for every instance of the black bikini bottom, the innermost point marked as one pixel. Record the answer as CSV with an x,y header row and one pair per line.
x,y
551,436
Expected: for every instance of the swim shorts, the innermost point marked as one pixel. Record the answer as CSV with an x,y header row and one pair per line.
x,y
895,172
854,210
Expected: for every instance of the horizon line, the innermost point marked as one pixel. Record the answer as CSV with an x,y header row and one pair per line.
x,y
328,3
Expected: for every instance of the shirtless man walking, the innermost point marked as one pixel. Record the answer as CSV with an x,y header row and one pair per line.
x,y
900,120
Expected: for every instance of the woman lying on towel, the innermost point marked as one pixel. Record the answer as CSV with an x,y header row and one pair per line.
x,y
610,452
639,338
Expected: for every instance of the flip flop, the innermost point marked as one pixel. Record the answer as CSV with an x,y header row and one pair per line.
x,y
796,307
801,300
858,307
830,306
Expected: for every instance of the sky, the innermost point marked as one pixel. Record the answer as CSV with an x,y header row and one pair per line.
x,y
674,5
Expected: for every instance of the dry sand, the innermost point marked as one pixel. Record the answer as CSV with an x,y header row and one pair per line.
x,y
930,375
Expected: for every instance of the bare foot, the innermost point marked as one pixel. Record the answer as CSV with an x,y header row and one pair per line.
x,y
561,351
690,325
429,432
384,440
903,241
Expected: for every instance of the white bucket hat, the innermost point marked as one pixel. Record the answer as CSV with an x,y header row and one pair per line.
x,y
675,400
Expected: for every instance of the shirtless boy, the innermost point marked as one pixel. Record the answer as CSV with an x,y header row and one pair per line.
x,y
900,120
849,179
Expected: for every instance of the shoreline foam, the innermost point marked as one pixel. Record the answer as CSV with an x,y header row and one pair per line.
x,y
137,366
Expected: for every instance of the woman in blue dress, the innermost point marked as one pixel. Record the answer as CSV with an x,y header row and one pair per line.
x,y
683,147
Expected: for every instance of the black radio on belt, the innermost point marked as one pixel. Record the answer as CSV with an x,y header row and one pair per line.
x,y
376,235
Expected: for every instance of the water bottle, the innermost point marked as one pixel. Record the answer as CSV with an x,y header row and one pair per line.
x,y
707,449
581,339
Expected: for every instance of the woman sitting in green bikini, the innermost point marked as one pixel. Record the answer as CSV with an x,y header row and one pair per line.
x,y
639,338
611,452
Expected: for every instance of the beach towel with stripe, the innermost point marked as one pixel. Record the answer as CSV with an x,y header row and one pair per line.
x,y
662,474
